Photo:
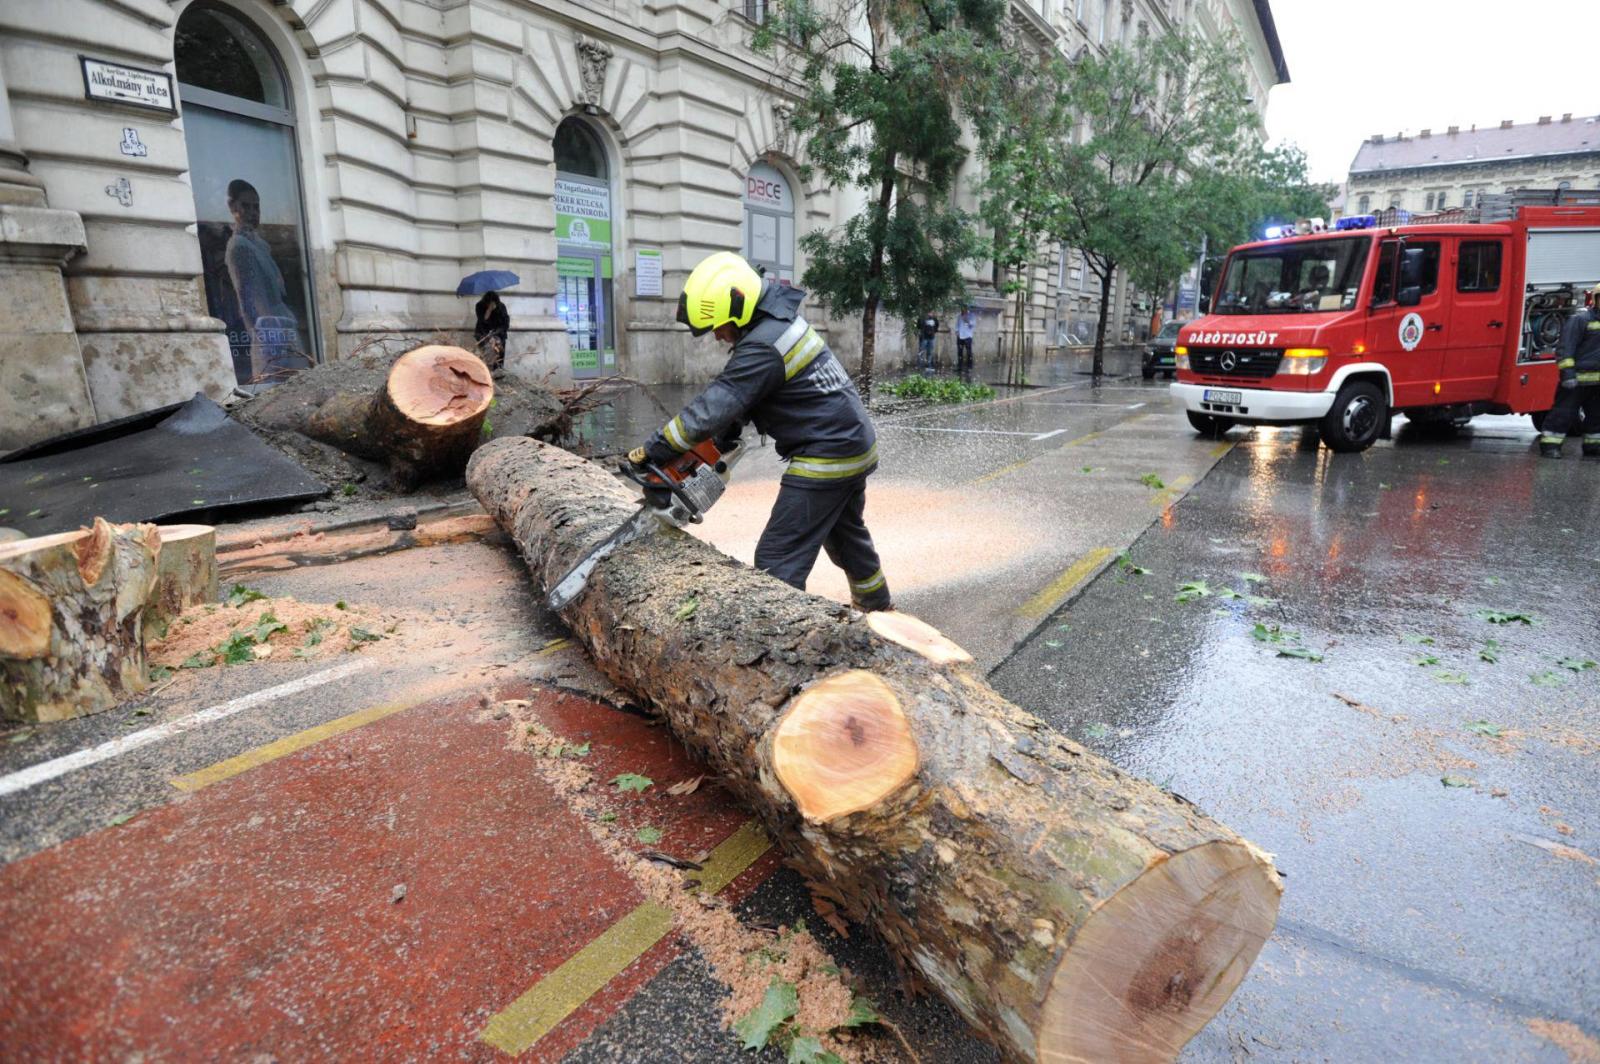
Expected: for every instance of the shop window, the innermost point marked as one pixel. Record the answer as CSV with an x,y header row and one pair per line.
x,y
769,222
584,253
244,169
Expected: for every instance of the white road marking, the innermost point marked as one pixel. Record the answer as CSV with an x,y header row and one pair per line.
x,y
967,432
1047,435
60,766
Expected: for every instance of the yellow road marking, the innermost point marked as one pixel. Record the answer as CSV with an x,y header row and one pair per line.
x,y
1047,600
250,759
1170,492
1221,449
554,998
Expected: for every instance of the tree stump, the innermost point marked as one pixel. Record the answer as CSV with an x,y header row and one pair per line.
x,y
186,574
71,613
1068,911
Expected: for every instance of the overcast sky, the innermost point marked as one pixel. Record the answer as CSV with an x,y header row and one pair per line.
x,y
1361,67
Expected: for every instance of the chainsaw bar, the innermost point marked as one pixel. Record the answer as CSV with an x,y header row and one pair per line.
x,y
643,523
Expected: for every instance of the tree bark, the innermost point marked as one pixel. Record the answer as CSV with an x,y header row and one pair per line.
x,y
1100,326
1068,911
869,312
186,574
71,613
421,415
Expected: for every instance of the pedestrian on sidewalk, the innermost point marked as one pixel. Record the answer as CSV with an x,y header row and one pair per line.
x,y
782,377
1578,396
966,325
492,328
927,329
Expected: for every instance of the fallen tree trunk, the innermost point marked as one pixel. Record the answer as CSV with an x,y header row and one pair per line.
x,y
186,574
1070,912
71,613
420,415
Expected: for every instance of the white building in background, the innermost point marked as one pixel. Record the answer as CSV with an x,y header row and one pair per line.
x,y
196,193
1435,171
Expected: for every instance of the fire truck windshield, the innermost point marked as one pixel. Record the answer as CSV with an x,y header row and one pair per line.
x,y
1298,277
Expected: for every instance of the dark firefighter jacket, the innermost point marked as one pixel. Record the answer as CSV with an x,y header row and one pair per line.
x,y
782,377
1580,347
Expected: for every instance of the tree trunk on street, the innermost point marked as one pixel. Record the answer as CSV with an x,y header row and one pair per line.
x,y
1100,326
186,573
1068,911
71,613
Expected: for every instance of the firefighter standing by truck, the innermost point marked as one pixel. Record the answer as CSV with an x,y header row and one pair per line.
x,y
782,377
1578,395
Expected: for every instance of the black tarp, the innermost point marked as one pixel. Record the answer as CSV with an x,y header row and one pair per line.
x,y
191,462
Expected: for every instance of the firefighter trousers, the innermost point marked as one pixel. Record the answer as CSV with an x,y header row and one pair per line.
x,y
1564,416
806,520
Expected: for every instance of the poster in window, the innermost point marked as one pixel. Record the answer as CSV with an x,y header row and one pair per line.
x,y
252,246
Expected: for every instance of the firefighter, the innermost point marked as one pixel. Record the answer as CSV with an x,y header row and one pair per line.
x,y
782,377
1578,397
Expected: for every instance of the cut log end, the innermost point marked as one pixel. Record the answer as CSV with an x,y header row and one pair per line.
x,y
918,636
93,549
1157,960
24,619
440,385
843,746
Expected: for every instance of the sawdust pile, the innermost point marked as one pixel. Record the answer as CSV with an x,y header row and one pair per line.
x,y
746,959
1579,1047
265,627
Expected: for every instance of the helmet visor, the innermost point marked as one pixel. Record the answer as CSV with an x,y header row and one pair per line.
x,y
683,316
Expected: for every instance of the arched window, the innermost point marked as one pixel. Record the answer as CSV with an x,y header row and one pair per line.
x,y
584,275
244,169
1366,204
769,222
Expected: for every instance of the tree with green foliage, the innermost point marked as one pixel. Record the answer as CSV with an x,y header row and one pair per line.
x,y
1161,121
1264,185
887,88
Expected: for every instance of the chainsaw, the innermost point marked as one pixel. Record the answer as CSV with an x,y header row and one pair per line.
x,y
676,493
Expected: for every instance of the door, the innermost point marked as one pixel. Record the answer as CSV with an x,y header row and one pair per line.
x,y
1410,341
1479,323
580,304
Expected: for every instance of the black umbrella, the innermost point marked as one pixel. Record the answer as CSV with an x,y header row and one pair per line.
x,y
475,284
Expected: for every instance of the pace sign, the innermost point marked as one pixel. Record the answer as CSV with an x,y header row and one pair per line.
x,y
115,83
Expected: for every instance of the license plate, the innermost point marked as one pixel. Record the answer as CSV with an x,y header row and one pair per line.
x,y
1212,395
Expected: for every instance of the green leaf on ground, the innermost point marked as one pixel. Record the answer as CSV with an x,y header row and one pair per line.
x,y
1546,679
1502,617
198,660
340,605
35,513
608,818
807,1050
780,1002
1053,643
862,1012
1483,727
1097,731
1490,652
1385,487
1575,664
347,489
119,820
1271,633
1420,640
159,673
1299,652
1150,480
1451,677
361,635
1087,469
237,649
1426,659
266,625
1253,578
318,627
1455,781
632,781
1193,589
687,608
1259,601
1127,565
647,835
1229,593
568,750
238,595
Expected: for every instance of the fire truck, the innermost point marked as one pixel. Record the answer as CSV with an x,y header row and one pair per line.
x,y
1438,317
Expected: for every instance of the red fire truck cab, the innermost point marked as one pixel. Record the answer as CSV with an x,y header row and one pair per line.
x,y
1438,319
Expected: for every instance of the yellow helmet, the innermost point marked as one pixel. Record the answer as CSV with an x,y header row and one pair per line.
x,y
722,289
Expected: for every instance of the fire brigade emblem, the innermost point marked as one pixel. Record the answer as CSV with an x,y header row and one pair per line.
x,y
1228,361
1411,331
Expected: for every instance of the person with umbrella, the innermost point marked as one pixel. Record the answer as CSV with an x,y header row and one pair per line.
x,y
493,321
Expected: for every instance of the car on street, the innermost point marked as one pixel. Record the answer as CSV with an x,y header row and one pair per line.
x,y
1159,356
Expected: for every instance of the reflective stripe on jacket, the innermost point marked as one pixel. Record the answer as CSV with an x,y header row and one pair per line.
x,y
1580,346
782,377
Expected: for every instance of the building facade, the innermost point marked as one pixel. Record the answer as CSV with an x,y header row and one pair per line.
x,y
201,194
1434,171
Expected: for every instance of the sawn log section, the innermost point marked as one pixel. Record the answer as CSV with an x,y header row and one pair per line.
x,y
1069,911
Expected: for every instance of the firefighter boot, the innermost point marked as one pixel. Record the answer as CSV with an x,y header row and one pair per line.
x,y
1550,446
1591,446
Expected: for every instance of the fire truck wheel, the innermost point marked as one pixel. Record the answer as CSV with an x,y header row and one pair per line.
x,y
1356,418
1210,424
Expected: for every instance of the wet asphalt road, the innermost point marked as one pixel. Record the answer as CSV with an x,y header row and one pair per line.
x,y
1436,813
